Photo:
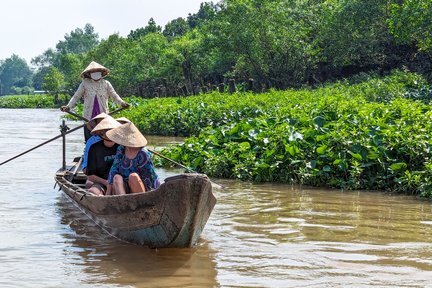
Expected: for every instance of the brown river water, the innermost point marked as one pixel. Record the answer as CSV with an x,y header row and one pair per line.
x,y
259,235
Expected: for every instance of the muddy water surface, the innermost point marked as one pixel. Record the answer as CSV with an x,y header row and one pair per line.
x,y
265,235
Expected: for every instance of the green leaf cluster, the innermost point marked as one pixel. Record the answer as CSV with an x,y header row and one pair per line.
x,y
276,43
368,135
411,22
31,101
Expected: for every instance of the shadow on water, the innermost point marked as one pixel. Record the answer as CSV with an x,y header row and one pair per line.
x,y
108,261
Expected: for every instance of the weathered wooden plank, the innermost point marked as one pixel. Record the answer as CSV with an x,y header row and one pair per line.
x,y
174,215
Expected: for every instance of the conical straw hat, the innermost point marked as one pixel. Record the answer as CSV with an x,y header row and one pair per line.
x,y
123,120
92,123
106,124
94,67
127,135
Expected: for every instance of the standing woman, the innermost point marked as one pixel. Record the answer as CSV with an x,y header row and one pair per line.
x,y
132,170
95,91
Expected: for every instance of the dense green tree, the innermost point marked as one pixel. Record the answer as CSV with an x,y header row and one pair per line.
x,y
188,58
270,41
38,77
170,70
279,43
206,12
151,27
176,28
353,35
71,66
135,64
78,41
47,58
142,64
21,90
285,41
230,37
411,22
53,82
112,53
109,51
14,72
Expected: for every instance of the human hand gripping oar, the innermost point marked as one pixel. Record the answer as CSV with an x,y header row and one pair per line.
x,y
181,165
56,137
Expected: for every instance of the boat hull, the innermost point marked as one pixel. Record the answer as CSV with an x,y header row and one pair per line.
x,y
174,215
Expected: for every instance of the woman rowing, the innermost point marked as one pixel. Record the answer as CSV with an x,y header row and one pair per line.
x,y
95,91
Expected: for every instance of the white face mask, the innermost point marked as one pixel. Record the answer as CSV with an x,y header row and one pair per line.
x,y
96,75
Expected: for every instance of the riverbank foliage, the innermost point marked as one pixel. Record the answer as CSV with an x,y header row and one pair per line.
x,y
32,101
366,132
371,133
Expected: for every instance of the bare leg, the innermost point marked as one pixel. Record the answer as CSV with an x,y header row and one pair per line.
x,y
96,191
110,190
118,185
88,184
135,183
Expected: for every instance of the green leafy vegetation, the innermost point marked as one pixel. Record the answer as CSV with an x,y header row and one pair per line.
x,y
328,117
276,43
366,132
32,101
374,134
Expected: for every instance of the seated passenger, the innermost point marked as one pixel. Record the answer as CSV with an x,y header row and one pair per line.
x,y
93,139
100,157
132,170
96,138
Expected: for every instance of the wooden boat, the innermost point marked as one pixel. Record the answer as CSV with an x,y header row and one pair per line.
x,y
173,215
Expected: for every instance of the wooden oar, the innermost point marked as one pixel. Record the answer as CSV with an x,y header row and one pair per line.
x,y
86,120
181,165
78,116
58,136
166,158
46,142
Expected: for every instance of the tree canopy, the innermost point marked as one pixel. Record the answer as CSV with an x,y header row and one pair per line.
x,y
277,43
14,72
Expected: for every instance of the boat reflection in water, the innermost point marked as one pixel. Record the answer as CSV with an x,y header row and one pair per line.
x,y
109,262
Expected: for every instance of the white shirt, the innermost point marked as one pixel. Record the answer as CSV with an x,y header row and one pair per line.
x,y
89,89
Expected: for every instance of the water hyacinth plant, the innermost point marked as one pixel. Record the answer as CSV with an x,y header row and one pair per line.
x,y
368,135
30,101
